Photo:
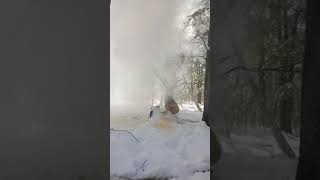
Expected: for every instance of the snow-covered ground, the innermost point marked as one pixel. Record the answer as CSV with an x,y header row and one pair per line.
x,y
255,156
190,106
181,151
169,149
247,167
257,142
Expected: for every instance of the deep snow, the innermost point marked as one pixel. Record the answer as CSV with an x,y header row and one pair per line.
x,y
171,149
179,151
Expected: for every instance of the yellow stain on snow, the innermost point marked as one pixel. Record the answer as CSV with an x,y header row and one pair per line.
x,y
166,123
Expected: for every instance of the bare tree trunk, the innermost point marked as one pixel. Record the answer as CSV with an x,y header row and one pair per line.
x,y
205,115
199,97
309,164
282,142
286,107
286,102
198,107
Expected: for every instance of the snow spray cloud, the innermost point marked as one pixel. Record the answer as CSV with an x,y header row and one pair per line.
x,y
144,34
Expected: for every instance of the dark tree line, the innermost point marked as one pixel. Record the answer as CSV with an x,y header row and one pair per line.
x,y
253,65
280,41
263,72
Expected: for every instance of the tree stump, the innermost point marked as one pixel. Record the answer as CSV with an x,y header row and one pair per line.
x,y
171,105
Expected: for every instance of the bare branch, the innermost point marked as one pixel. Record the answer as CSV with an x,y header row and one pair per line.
x,y
205,45
223,59
255,69
187,83
120,130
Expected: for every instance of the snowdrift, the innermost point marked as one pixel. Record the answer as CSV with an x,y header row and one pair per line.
x,y
171,150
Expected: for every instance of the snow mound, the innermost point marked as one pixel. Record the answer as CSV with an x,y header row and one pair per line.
x,y
170,150
195,176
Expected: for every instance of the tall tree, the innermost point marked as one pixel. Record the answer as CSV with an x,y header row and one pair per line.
x,y
208,98
309,160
